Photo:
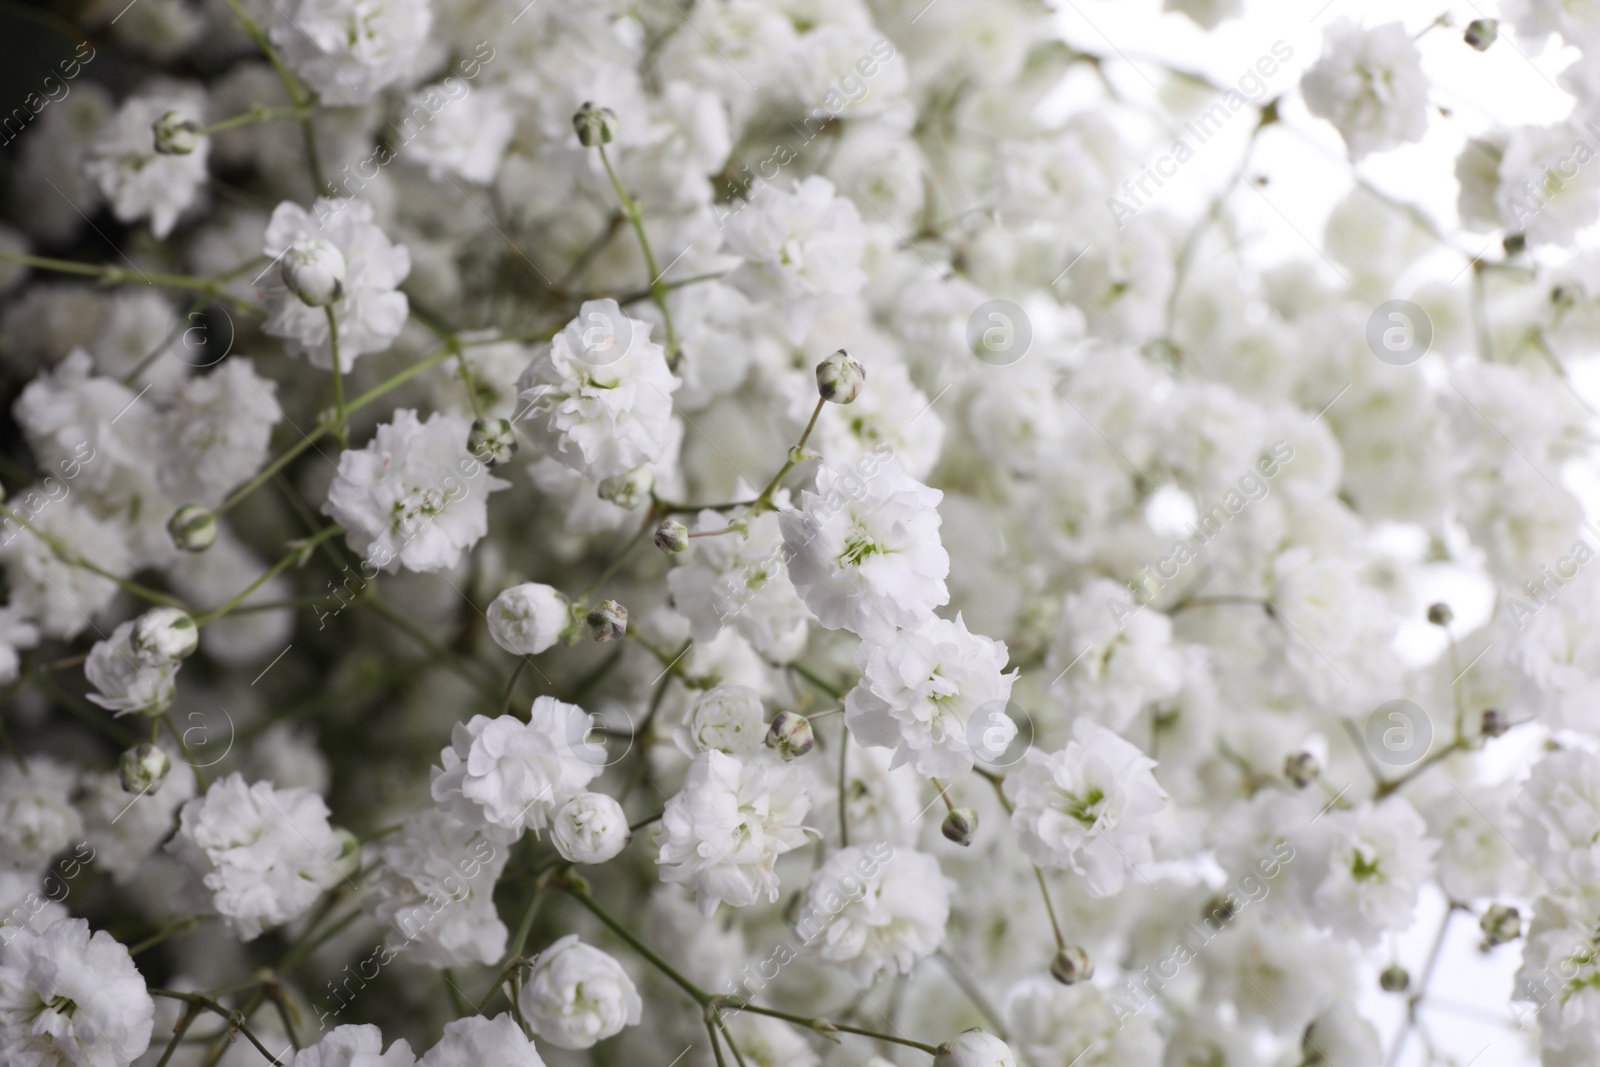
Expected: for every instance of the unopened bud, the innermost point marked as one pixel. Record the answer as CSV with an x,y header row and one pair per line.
x,y
960,825
1440,614
175,134
672,536
492,441
1302,769
313,269
1481,33
192,528
974,1048
1494,723
1514,243
840,378
629,491
791,735
1394,979
608,621
1071,966
165,633
143,769
595,125
1501,923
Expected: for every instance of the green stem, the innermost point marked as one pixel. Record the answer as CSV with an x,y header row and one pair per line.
x,y
72,559
435,650
340,432
300,552
764,501
236,1019
169,930
832,690
581,894
616,564
658,291
113,275
259,113
825,1026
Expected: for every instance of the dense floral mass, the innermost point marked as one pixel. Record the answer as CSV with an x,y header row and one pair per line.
x,y
784,533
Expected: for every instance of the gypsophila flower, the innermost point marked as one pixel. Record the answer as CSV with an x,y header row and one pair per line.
x,y
526,619
598,397
876,909
724,831
263,854
129,678
371,310
477,1041
1369,83
69,998
434,890
589,828
137,180
1088,807
508,775
347,50
576,995
864,553
414,497
932,694
728,718
355,1046
37,819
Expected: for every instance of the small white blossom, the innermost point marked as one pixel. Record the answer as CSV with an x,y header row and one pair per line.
x,y
526,619
876,909
347,50
138,181
37,819
69,999
512,775
598,397
1369,83
728,718
434,890
589,828
576,995
127,678
476,1041
414,497
355,1046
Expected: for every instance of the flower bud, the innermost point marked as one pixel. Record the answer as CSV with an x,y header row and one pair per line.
x,y
790,734
192,528
1071,966
672,536
974,1048
528,618
630,490
608,621
492,441
175,134
595,125
143,769
313,269
960,825
1440,614
840,378
1302,769
589,828
348,862
1494,723
1394,979
1501,923
1481,33
165,633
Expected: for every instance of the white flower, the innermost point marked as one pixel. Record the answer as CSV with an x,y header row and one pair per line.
x,y
138,181
59,597
515,775
1559,806
739,579
526,619
127,678
1547,191
347,50
728,718
590,828
371,312
434,890
1377,858
476,1041
576,995
1369,83
68,998
465,133
1560,974
801,247
598,397
217,432
265,854
125,832
414,497
974,1048
355,1046
1112,656
935,694
1089,807
877,909
724,831
37,819
863,550
313,269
